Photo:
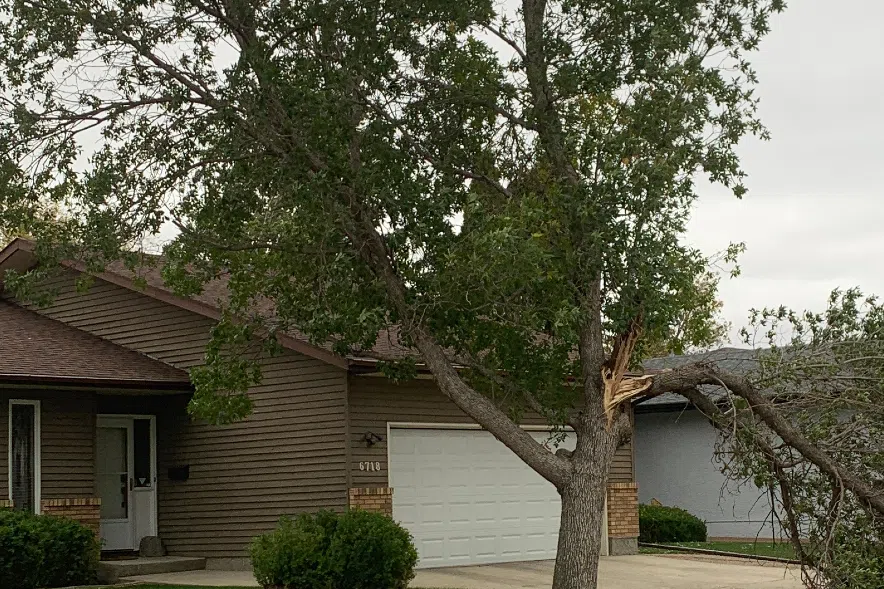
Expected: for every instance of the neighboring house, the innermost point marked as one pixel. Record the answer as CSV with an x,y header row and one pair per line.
x,y
93,395
675,458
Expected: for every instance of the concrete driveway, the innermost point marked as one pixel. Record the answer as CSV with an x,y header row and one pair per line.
x,y
620,572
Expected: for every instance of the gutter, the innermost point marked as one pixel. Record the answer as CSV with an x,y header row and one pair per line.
x,y
114,383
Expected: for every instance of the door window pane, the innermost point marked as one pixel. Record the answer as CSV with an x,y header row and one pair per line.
x,y
113,472
142,466
23,441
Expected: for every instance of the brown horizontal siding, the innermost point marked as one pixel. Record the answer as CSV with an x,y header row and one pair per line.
x,y
67,442
68,446
375,401
288,456
131,319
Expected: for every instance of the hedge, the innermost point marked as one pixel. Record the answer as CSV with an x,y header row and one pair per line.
x,y
45,551
354,550
659,524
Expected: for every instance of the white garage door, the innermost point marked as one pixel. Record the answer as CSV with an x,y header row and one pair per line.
x,y
467,499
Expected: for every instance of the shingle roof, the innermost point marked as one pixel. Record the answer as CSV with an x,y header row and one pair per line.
x,y
736,360
34,347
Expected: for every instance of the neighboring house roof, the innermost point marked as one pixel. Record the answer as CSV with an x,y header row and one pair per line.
x,y
735,360
34,348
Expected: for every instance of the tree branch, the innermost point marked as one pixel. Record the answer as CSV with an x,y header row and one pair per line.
x,y
778,471
500,379
371,246
686,379
511,117
431,159
590,348
546,119
508,40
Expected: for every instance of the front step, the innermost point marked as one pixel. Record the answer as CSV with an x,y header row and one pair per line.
x,y
111,571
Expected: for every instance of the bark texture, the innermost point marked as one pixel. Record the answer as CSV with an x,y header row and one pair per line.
x,y
583,508
580,533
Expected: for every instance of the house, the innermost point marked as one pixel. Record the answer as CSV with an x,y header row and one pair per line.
x,y
95,389
676,461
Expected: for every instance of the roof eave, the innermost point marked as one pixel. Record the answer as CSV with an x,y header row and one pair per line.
x,y
110,383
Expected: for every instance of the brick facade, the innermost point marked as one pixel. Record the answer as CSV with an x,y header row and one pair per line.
x,y
85,511
377,499
623,510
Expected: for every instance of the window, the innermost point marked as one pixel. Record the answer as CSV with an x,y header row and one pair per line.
x,y
24,455
113,472
142,466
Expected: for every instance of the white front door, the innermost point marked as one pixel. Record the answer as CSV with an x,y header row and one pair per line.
x,y
126,474
114,474
467,499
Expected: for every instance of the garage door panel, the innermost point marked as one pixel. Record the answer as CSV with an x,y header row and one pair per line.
x,y
467,499
433,550
406,514
432,514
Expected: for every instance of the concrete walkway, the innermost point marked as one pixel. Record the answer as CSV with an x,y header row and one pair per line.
x,y
620,572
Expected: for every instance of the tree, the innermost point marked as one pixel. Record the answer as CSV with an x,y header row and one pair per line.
x,y
699,324
825,373
321,155
21,221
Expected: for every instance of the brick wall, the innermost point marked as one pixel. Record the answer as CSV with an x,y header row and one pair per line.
x,y
377,499
85,511
623,510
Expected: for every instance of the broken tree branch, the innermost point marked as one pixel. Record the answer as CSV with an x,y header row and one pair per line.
x,y
619,388
686,379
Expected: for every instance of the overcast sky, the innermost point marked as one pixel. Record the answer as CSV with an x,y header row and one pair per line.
x,y
812,220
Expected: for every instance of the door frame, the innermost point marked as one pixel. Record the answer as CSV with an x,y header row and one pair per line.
x,y
391,425
129,420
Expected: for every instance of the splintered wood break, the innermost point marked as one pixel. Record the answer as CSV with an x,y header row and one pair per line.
x,y
618,387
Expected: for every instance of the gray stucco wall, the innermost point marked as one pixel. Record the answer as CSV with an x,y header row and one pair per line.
x,y
674,463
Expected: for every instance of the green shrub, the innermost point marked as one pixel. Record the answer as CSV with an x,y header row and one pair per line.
x,y
71,553
370,551
21,555
45,551
355,550
669,524
293,555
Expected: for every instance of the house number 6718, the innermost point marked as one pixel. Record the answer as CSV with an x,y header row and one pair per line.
x,y
370,466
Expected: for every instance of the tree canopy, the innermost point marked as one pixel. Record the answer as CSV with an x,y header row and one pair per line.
x,y
505,186
825,372
305,151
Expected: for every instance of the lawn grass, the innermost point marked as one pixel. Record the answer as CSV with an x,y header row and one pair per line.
x,y
778,549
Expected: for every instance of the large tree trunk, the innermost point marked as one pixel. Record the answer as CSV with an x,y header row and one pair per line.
x,y
580,532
